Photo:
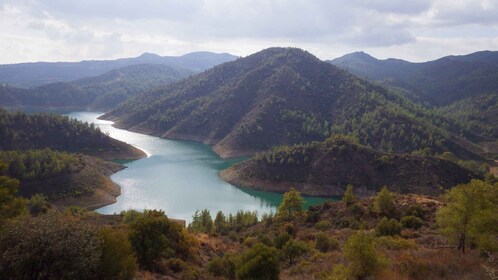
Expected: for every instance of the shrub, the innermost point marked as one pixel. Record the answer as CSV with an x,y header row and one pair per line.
x,y
388,227
324,243
154,236
348,196
395,243
118,260
224,266
414,210
281,239
362,258
340,272
323,225
312,217
294,249
411,222
356,209
38,204
383,203
290,229
59,245
291,206
259,262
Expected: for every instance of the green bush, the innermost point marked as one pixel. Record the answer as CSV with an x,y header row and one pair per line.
x,y
222,266
38,204
57,244
324,243
363,260
388,227
384,202
154,236
323,225
294,249
118,260
259,262
281,239
395,243
348,196
312,217
411,222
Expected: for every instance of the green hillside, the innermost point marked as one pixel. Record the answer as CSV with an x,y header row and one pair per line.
x,y
286,96
326,168
101,92
19,131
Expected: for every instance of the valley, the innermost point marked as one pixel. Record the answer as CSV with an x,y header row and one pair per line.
x,y
276,165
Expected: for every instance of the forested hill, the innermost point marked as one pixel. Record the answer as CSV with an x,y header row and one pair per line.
x,y
35,74
101,92
326,168
286,96
439,82
19,131
58,175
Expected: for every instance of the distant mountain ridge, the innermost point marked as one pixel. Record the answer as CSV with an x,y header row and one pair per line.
x,y
38,73
98,93
284,96
439,82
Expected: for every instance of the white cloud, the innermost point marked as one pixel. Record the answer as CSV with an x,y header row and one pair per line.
x,y
94,29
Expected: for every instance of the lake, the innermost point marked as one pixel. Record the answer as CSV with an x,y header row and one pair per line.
x,y
179,177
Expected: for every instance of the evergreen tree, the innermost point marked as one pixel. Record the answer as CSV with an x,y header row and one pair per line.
x,y
291,206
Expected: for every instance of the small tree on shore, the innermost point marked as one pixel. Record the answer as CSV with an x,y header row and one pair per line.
x,y
383,203
348,196
291,206
470,215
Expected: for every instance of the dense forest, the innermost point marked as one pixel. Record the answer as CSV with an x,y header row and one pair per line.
x,y
20,131
325,168
56,175
460,88
288,96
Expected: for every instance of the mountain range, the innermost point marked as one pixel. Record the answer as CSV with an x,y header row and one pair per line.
x,y
463,87
285,96
38,73
98,93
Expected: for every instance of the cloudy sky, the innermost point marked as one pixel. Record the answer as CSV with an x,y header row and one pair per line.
x,y
73,30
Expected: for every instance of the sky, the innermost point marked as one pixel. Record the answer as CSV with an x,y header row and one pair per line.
x,y
74,30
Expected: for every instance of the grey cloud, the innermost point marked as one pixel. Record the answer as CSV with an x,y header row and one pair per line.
x,y
482,12
409,7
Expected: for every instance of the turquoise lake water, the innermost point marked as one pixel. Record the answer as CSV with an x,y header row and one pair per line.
x,y
179,177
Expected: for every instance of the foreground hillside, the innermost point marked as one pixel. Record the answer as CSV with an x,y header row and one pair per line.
x,y
19,131
324,169
100,92
389,236
286,96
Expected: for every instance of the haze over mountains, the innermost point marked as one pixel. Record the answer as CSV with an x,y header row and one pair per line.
x,y
95,88
38,73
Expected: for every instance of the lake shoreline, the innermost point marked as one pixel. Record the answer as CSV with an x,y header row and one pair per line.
x,y
180,176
